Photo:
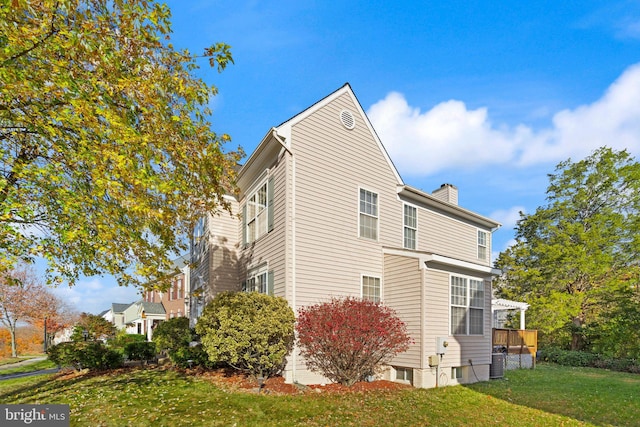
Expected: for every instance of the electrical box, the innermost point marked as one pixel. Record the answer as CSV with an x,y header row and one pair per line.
x,y
434,360
441,345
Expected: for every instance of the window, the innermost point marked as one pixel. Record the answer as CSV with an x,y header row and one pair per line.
x,y
404,374
482,245
467,306
368,214
371,288
259,280
410,226
180,288
197,248
456,373
258,212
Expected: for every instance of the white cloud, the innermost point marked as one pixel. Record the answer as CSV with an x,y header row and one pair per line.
x,y
95,296
450,136
508,217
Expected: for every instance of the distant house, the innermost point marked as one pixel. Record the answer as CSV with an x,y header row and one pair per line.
x,y
323,212
115,314
173,300
142,317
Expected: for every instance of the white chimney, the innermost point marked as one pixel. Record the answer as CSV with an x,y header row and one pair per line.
x,y
447,193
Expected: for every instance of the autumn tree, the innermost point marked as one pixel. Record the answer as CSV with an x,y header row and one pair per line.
x,y
92,327
23,299
575,260
107,156
348,339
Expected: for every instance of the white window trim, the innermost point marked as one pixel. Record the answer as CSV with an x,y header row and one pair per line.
x,y
404,225
256,188
256,271
377,216
485,246
468,305
373,276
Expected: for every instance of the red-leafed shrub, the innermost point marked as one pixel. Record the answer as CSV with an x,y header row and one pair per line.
x,y
347,339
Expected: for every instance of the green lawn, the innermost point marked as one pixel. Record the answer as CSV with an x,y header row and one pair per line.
x,y
547,396
11,360
30,367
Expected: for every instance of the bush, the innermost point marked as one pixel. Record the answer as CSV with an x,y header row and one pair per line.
x,y
84,355
173,334
144,351
584,359
348,339
249,331
187,357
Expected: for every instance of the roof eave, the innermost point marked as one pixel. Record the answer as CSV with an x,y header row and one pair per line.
x,y
428,199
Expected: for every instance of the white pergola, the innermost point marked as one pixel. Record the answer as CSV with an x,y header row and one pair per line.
x,y
499,304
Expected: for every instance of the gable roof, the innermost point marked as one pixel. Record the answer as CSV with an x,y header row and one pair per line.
x,y
283,130
153,307
118,307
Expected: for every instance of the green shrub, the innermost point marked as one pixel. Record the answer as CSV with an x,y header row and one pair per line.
x,y
144,351
584,359
173,334
187,357
84,355
249,331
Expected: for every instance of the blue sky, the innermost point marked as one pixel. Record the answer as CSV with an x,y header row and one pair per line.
x,y
488,96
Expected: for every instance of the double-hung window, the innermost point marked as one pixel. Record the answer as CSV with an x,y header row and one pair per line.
x,y
368,214
482,245
259,279
467,306
410,226
258,212
371,288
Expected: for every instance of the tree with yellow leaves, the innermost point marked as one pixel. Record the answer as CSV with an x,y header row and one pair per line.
x,y
107,156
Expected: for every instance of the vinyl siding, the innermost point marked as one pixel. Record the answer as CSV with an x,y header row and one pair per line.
x,y
448,236
403,292
223,252
332,164
461,348
270,248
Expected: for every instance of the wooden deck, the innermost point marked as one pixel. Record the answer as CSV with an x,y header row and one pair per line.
x,y
516,344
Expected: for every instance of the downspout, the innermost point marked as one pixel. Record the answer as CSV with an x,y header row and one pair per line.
x,y
294,359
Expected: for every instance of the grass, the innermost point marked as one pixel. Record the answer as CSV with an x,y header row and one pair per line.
x,y
597,396
547,396
11,360
35,366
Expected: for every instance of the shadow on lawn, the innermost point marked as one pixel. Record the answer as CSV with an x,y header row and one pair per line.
x,y
64,381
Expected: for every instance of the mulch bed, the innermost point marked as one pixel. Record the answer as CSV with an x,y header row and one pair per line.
x,y
232,380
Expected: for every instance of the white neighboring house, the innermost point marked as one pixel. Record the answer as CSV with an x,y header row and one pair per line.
x,y
142,317
115,314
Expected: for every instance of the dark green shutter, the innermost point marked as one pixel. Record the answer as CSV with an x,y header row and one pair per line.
x,y
270,283
244,286
270,205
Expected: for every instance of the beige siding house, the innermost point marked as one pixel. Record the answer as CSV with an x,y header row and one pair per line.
x,y
323,212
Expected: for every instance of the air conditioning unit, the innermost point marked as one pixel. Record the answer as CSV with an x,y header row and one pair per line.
x,y
496,369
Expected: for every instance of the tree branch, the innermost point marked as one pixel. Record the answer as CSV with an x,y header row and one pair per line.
x,y
51,33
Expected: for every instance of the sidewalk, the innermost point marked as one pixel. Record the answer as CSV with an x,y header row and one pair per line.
x,y
22,363
25,374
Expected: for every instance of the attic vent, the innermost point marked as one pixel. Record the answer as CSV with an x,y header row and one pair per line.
x,y
347,119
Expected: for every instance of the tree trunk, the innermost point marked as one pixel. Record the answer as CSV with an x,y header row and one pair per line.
x,y
14,349
577,340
